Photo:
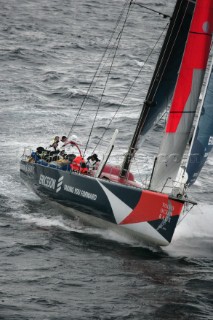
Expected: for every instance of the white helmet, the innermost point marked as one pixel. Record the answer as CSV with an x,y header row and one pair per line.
x,y
74,138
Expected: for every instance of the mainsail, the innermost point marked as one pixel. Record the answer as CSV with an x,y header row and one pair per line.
x,y
202,142
186,96
165,76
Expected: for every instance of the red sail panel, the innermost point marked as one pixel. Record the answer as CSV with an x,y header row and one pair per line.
x,y
195,57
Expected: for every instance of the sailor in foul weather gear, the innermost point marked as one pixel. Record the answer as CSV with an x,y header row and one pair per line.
x,y
79,165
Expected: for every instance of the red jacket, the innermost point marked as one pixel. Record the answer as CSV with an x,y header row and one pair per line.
x,y
78,164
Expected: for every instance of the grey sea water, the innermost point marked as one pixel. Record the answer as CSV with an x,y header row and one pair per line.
x,y
52,267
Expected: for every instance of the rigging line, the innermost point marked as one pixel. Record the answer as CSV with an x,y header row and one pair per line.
x,y
158,12
108,74
99,65
102,95
130,88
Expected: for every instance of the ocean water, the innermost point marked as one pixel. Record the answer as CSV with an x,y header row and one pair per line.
x,y
52,267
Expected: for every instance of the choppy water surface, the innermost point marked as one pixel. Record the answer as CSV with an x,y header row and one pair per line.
x,y
52,267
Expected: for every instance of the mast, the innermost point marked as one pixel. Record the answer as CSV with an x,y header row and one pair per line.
x,y
164,77
186,97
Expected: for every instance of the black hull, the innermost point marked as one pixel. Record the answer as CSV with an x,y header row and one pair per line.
x,y
151,216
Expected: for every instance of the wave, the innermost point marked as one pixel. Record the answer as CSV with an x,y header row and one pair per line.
x,y
193,236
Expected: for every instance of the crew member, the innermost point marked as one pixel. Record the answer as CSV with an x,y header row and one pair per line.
x,y
54,145
61,143
92,160
78,165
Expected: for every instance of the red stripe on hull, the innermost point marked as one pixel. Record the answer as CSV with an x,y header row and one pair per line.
x,y
153,206
195,57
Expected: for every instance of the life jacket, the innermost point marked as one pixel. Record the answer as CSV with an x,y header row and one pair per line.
x,y
78,164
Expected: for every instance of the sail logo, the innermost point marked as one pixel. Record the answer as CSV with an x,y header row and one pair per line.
x,y
210,143
47,181
59,184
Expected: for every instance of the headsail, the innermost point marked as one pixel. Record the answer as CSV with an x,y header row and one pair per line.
x,y
186,96
165,76
202,142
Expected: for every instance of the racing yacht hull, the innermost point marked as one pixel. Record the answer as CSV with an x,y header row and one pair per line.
x,y
150,216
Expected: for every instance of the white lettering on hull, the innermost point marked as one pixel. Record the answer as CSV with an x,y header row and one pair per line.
x,y
80,192
27,167
47,181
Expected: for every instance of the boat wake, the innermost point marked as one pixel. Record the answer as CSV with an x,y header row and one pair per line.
x,y
193,236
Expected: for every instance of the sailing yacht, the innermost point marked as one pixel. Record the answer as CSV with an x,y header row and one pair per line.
x,y
109,195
